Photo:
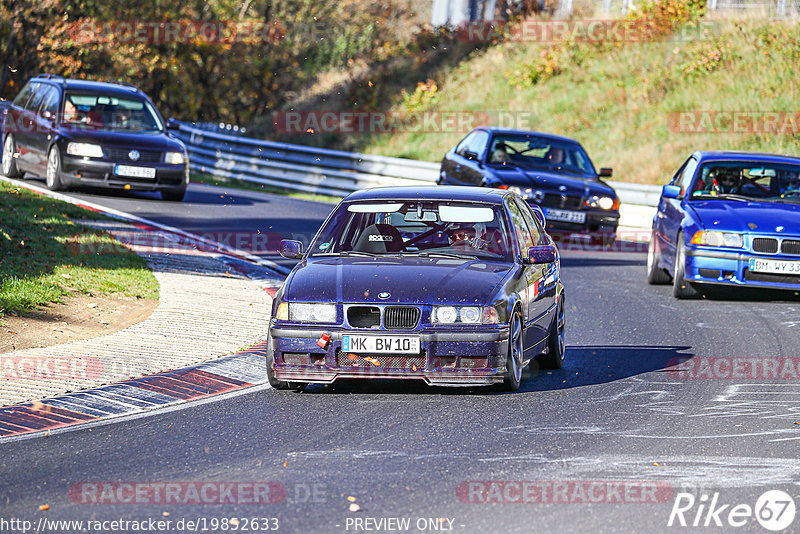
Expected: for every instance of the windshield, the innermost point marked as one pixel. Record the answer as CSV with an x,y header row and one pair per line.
x,y
100,112
541,152
748,180
427,228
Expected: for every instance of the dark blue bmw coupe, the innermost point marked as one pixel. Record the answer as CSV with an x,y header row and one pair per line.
x,y
550,171
450,285
728,218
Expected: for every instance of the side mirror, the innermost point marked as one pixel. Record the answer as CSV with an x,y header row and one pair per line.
x,y
47,114
671,191
173,124
292,250
542,254
606,172
471,155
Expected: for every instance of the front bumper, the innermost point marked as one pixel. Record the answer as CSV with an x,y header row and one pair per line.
x,y
719,267
598,221
448,357
92,172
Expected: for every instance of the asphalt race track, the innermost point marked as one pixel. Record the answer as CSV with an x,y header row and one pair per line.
x,y
614,414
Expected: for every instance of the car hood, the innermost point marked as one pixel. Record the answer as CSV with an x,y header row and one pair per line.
x,y
751,217
409,280
141,141
549,181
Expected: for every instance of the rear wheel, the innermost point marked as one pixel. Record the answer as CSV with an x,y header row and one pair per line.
x,y
681,288
514,357
53,177
655,274
554,359
10,169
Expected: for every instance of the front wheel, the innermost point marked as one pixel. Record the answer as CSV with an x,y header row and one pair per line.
x,y
514,357
556,346
10,169
655,274
681,288
53,177
173,195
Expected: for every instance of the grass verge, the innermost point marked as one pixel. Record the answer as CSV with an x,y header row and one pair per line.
x,y
45,256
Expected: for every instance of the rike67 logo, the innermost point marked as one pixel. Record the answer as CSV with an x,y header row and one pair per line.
x,y
774,510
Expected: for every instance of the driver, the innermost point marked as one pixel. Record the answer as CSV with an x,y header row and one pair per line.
x,y
500,153
723,180
462,237
554,156
792,184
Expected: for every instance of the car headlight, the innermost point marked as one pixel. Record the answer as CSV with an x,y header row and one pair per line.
x,y
310,312
717,239
605,203
86,150
463,315
174,158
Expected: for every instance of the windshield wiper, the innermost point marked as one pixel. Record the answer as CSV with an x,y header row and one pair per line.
x,y
725,196
350,253
444,255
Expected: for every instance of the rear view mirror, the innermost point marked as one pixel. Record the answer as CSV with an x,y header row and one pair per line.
x,y
671,191
292,250
542,254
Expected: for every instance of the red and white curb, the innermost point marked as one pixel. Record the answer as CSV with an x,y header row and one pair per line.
x,y
224,375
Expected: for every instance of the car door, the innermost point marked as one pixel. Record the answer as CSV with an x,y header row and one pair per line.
x,y
465,159
19,123
534,299
674,213
44,123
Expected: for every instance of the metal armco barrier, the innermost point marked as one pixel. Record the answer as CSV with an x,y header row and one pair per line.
x,y
338,173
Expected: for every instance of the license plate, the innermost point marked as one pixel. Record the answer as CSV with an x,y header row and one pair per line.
x,y
565,215
758,265
381,344
134,172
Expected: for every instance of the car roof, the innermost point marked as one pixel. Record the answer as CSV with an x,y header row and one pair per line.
x,y
433,192
91,86
515,131
732,155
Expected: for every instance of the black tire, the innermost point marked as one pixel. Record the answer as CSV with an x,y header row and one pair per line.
x,y
10,169
554,359
53,174
682,289
274,382
655,274
173,195
514,357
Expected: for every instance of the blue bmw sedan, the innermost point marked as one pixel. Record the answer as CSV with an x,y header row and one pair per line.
x,y
728,218
456,286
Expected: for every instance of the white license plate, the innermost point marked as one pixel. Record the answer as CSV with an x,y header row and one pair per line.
x,y
565,215
134,172
758,265
380,344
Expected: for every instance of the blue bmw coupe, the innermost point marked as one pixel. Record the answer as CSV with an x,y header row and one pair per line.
x,y
456,286
728,218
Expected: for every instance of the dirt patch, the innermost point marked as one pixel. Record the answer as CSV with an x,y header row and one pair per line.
x,y
79,317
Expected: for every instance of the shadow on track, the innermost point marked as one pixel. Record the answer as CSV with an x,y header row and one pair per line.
x,y
584,366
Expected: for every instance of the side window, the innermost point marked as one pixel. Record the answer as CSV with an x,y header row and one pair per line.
x,y
530,220
463,146
677,176
687,175
50,102
524,237
36,97
23,96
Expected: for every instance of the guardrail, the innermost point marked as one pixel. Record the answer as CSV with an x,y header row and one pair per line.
x,y
338,173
